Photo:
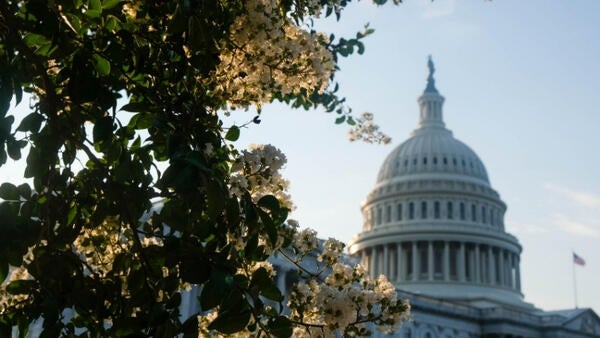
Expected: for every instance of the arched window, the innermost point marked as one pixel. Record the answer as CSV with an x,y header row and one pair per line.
x,y
450,211
425,160
423,210
473,213
411,210
399,212
436,209
379,212
445,160
462,211
435,160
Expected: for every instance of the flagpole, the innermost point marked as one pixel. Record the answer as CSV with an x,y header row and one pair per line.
x,y
574,280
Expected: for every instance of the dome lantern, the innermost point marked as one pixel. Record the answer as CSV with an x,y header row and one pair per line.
x,y
431,103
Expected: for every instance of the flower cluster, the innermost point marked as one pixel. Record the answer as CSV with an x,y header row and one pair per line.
x,y
343,304
257,170
16,301
365,129
98,246
267,53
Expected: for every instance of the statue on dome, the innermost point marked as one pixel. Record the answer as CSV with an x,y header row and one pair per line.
x,y
430,80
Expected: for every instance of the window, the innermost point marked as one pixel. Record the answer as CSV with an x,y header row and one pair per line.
x,y
454,162
437,260
436,209
424,262
379,215
462,211
445,160
492,218
423,210
425,160
464,164
483,214
388,213
450,211
473,213
406,163
411,210
453,261
415,161
399,212
435,160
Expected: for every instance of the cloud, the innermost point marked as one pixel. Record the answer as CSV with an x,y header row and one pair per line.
x,y
525,228
583,199
576,228
438,9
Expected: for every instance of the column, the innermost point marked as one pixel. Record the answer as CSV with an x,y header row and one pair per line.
x,y
386,261
491,266
518,274
373,262
461,262
430,260
446,264
511,265
401,266
477,270
501,268
415,261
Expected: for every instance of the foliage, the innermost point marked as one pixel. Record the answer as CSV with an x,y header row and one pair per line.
x,y
84,250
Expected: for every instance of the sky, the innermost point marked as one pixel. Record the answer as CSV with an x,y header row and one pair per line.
x,y
521,81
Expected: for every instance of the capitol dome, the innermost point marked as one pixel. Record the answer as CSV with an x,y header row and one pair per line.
x,y
432,151
433,224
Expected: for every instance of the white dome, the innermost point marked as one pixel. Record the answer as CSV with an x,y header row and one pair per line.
x,y
432,150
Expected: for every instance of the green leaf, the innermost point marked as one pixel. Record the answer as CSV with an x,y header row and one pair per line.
x,y
340,119
101,64
108,4
94,4
190,327
103,129
281,327
24,190
72,213
134,107
270,202
229,322
9,192
3,269
35,40
215,199
141,121
266,285
31,123
13,147
20,287
233,133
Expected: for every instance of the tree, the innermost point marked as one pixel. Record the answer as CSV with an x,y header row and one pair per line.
x,y
125,113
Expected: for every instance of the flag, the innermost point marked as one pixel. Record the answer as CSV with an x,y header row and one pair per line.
x,y
578,260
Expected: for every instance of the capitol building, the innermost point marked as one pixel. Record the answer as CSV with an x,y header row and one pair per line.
x,y
434,225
